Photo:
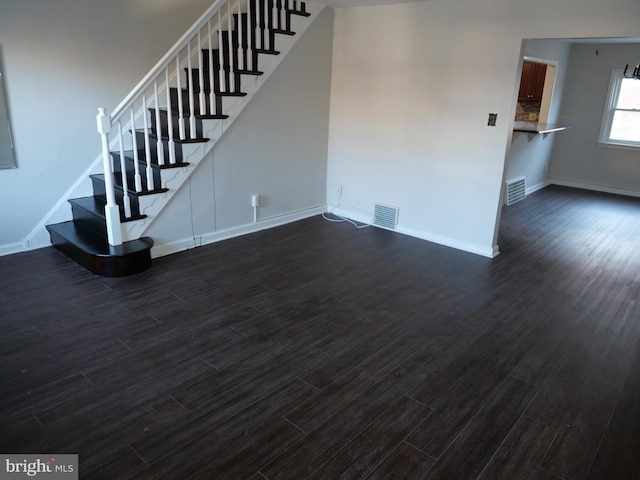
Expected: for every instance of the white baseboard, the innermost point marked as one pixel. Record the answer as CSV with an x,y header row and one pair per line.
x,y
596,187
351,215
212,237
11,248
490,252
160,250
536,187
450,242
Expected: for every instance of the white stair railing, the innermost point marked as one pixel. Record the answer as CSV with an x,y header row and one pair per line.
x,y
155,113
111,210
147,130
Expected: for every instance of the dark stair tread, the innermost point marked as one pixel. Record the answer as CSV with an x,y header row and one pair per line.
x,y
94,252
178,140
132,191
219,116
230,94
206,87
249,72
242,71
266,51
205,52
128,155
95,244
172,165
96,206
186,114
90,248
299,12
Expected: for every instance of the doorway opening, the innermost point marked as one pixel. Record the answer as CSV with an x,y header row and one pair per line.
x,y
536,88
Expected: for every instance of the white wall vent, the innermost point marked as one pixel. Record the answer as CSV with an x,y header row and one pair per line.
x,y
385,216
516,191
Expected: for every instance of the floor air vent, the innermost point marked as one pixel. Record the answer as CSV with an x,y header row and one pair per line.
x,y
385,216
515,191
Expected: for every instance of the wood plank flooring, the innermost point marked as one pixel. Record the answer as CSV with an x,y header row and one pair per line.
x,y
316,350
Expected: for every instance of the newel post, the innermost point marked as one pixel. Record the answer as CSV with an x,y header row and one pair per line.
x,y
111,210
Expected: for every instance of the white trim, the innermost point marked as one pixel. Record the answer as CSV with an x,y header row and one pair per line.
x,y
351,215
531,58
490,252
596,187
450,242
213,237
539,186
613,91
618,146
11,248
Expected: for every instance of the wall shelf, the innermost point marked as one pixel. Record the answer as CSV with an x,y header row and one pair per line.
x,y
535,128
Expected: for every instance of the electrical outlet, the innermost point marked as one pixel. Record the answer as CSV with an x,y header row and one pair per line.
x,y
339,189
493,117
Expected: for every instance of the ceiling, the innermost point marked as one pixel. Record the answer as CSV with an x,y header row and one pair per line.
x,y
603,40
363,3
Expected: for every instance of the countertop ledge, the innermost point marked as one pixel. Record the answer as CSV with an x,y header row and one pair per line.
x,y
535,127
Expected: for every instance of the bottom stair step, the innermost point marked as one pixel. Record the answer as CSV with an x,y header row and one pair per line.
x,y
95,254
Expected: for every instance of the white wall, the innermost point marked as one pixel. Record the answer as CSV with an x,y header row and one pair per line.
x,y
409,109
63,59
276,148
577,159
408,120
530,155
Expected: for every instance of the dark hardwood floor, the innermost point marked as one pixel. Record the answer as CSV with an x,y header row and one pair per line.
x,y
319,351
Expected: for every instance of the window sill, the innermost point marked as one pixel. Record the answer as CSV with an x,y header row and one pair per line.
x,y
618,146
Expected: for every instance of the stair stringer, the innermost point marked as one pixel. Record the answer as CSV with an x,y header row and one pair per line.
x,y
194,153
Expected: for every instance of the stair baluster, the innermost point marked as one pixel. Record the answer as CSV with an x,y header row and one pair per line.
x,y
276,19
241,64
181,126
126,201
170,143
258,35
221,84
159,145
147,144
212,96
201,96
154,113
111,210
250,65
192,114
232,75
137,178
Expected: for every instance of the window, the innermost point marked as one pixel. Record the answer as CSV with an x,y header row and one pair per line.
x,y
7,154
621,121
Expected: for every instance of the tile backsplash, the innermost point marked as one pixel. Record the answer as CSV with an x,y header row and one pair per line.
x,y
525,109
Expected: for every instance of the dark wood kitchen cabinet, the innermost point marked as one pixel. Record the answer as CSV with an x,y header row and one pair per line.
x,y
532,82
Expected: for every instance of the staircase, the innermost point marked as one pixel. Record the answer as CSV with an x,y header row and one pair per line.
x,y
155,139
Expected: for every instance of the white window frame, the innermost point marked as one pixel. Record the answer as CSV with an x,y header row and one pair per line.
x,y
607,118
